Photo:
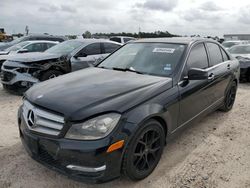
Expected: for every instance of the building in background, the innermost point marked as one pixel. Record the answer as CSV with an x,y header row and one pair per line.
x,y
237,36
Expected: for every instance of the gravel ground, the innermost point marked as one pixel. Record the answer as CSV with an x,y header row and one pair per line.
x,y
212,153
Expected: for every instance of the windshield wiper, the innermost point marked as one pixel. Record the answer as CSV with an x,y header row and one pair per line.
x,y
127,69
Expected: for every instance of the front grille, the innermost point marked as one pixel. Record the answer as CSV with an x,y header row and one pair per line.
x,y
41,121
7,76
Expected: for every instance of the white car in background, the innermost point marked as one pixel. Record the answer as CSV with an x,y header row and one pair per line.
x,y
29,46
121,39
229,44
25,47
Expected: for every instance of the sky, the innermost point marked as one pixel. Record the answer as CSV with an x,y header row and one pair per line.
x,y
183,17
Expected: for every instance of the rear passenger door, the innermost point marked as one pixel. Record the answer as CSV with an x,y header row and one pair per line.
x,y
86,57
220,66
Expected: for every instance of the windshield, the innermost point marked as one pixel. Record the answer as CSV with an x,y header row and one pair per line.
x,y
240,50
16,41
65,47
17,46
158,59
229,44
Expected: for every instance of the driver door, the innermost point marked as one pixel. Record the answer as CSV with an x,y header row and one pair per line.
x,y
195,95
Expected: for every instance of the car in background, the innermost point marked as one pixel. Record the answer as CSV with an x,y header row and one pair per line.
x,y
32,37
242,53
229,44
121,39
25,47
100,122
21,71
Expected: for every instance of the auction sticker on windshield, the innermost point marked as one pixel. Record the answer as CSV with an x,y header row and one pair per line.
x,y
164,50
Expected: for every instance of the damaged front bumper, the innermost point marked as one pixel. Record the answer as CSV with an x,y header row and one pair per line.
x,y
10,75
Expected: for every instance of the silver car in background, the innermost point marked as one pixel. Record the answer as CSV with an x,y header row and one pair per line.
x,y
21,71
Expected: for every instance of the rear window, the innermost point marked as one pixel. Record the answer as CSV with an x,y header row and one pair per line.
x,y
116,39
214,54
110,47
224,55
127,39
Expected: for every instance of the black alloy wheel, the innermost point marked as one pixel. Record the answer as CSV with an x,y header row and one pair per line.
x,y
230,98
144,150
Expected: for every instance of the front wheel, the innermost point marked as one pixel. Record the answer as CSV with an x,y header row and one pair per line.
x,y
230,98
144,151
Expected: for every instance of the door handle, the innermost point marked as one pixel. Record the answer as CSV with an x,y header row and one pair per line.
x,y
228,66
211,77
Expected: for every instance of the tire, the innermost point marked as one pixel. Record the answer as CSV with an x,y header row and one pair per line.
x,y
230,98
144,151
50,74
15,89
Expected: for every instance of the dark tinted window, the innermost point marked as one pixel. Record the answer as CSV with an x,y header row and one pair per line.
x,y
110,47
225,56
198,57
116,39
127,39
92,49
214,54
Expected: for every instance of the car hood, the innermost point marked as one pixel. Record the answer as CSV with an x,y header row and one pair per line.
x,y
33,57
92,91
4,46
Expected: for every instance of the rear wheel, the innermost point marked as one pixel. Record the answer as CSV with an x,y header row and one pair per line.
x,y
144,151
50,74
230,98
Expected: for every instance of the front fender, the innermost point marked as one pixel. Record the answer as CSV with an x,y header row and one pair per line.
x,y
145,112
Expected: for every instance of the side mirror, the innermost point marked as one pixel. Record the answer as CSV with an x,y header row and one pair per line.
x,y
23,50
80,55
197,74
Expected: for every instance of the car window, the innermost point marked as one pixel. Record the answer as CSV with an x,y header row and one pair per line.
x,y
92,49
37,47
224,55
198,57
49,45
127,39
116,39
214,54
110,47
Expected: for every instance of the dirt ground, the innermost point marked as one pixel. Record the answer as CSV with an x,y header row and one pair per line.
x,y
212,153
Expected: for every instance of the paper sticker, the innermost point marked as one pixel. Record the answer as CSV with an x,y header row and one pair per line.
x,y
167,67
164,50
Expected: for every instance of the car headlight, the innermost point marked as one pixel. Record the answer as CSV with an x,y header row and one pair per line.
x,y
95,128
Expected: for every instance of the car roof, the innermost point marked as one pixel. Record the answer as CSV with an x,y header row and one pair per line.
x,y
241,45
181,40
233,41
122,37
44,35
43,41
89,41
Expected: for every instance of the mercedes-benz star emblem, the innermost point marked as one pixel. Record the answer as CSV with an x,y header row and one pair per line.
x,y
31,118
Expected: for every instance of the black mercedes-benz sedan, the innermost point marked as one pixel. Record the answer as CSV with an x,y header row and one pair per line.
x,y
116,118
